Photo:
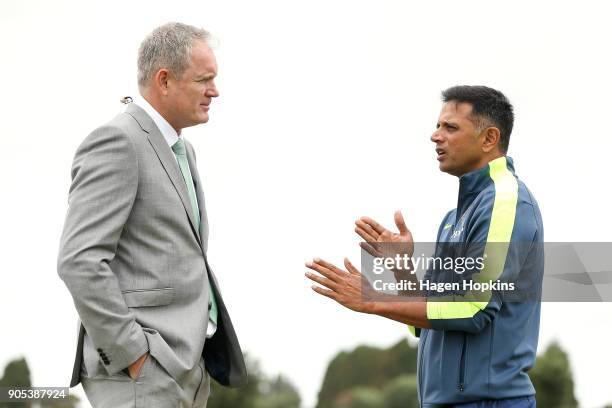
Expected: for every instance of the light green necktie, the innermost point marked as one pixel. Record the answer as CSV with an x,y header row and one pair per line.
x,y
181,157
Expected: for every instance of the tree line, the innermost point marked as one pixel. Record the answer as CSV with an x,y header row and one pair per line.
x,y
366,377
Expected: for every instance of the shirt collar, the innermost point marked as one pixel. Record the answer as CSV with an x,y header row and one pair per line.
x,y
167,131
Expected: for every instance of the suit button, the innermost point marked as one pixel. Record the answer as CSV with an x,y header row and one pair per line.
x,y
209,306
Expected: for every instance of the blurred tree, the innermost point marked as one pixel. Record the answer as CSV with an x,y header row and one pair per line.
x,y
360,397
260,392
16,374
402,392
279,393
552,379
365,366
224,397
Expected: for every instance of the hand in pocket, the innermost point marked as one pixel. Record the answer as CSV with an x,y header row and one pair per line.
x,y
135,368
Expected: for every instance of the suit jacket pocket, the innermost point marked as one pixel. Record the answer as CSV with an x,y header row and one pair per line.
x,y
148,297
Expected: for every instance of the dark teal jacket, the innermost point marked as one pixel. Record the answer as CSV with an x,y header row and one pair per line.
x,y
481,345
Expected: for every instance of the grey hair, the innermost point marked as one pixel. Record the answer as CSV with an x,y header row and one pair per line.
x,y
168,46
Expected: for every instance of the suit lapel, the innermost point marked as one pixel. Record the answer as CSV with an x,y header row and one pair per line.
x,y
167,159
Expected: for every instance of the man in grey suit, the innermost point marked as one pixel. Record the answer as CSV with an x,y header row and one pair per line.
x,y
153,325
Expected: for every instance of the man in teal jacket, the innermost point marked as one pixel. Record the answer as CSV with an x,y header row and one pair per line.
x,y
475,347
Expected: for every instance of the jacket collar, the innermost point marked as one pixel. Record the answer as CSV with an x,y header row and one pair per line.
x,y
162,124
472,183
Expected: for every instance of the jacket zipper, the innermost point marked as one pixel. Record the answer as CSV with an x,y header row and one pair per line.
x,y
462,364
423,339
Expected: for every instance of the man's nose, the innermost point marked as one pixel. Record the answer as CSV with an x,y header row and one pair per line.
x,y
212,92
436,137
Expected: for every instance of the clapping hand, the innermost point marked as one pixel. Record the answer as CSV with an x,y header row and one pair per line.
x,y
349,288
375,236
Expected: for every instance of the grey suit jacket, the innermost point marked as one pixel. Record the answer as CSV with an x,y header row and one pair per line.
x,y
134,261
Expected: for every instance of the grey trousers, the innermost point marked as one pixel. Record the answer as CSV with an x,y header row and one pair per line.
x,y
154,388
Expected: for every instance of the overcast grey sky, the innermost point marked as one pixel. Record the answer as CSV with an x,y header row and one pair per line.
x,y
325,114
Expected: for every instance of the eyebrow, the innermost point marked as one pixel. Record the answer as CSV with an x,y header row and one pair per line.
x,y
447,123
210,75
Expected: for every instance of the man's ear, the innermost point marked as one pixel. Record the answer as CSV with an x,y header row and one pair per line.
x,y
160,81
491,139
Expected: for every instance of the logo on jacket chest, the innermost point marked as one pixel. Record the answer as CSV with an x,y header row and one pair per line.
x,y
457,232
457,229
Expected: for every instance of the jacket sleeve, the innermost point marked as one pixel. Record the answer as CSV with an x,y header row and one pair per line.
x,y
501,230
102,193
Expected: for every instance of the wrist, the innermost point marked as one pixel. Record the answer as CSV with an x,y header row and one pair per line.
x,y
373,307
